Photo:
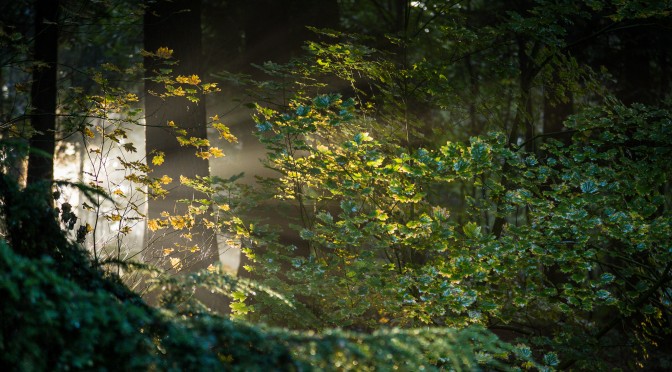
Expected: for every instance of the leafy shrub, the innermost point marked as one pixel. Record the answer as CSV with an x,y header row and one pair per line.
x,y
567,247
61,312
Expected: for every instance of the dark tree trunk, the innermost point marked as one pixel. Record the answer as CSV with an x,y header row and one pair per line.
x,y
275,30
177,26
524,115
556,111
43,92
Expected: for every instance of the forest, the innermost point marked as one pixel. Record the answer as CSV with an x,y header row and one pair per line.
x,y
303,185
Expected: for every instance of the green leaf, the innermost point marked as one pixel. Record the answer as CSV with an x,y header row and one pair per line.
x,y
472,230
588,187
239,296
362,137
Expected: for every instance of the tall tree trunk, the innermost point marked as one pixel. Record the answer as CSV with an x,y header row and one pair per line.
x,y
556,111
177,26
524,114
275,30
43,92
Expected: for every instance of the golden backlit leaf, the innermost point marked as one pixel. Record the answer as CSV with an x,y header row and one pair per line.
x,y
176,263
224,207
216,152
158,159
165,180
208,224
164,53
225,132
178,92
167,251
209,87
193,79
153,225
178,222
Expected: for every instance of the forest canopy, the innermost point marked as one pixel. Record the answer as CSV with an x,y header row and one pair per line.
x,y
336,185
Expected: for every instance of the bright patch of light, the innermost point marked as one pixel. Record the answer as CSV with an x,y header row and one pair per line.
x,y
419,4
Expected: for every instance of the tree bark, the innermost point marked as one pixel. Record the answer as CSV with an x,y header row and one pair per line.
x,y
43,92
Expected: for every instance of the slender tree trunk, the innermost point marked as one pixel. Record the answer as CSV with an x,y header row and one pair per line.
x,y
177,26
556,112
43,92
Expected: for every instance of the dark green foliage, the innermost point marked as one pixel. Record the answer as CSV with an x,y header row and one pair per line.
x,y
62,312
49,322
568,248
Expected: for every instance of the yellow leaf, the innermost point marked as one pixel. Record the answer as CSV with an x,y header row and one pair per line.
x,y
118,192
194,249
164,53
225,132
158,159
177,222
215,118
216,152
114,217
212,268
193,79
89,133
167,251
208,224
165,180
186,236
210,87
193,210
175,263
224,207
178,92
172,124
153,225
203,154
